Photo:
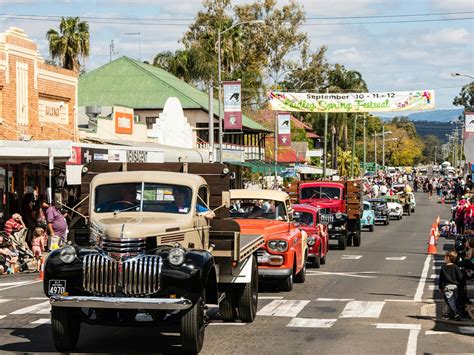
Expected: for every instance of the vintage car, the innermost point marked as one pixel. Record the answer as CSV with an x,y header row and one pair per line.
x,y
318,239
152,250
268,213
395,208
368,217
381,210
405,200
412,201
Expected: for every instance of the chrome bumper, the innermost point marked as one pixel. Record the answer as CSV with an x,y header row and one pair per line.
x,y
120,302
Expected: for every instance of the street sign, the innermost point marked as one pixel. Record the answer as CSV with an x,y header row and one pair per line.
x,y
232,105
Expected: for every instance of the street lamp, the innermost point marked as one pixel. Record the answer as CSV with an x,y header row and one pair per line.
x,y
461,74
219,74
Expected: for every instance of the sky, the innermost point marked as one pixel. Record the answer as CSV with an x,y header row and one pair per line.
x,y
400,56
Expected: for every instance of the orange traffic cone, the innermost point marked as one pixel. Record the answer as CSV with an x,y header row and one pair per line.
x,y
432,245
41,273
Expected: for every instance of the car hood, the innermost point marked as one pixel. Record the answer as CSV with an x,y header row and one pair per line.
x,y
263,227
143,226
393,205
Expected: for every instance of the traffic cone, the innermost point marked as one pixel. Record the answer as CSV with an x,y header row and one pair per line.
x,y
442,200
41,273
432,245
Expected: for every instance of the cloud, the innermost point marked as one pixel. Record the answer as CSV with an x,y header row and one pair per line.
x,y
451,36
349,56
341,7
453,5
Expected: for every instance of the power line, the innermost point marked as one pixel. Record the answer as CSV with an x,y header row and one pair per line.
x,y
386,22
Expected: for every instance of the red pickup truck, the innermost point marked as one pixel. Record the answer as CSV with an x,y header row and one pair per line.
x,y
318,238
340,207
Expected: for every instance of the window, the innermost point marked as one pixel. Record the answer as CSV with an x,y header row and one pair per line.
x,y
258,209
150,121
332,193
305,218
22,93
203,197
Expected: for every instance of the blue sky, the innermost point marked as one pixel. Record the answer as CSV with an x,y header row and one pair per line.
x,y
391,57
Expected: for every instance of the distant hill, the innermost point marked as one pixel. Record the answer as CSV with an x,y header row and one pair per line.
x,y
438,129
437,115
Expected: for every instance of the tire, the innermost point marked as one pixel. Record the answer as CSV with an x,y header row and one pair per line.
x,y
371,228
349,239
227,308
388,222
413,211
192,328
66,326
357,239
301,276
316,262
409,210
323,259
342,242
286,284
248,297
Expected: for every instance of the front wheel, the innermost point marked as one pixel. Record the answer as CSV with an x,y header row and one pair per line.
x,y
66,326
342,242
371,228
248,297
286,284
192,328
301,276
316,262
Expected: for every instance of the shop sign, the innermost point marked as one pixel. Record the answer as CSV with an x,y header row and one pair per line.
x,y
123,120
284,129
134,156
53,111
469,117
76,157
352,102
232,105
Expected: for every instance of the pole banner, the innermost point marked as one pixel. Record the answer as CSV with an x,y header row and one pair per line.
x,y
232,105
352,102
284,129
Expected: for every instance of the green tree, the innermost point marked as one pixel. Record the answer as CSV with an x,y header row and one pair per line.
x,y
466,97
70,43
344,160
432,149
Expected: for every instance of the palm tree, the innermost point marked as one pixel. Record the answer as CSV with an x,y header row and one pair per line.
x,y
71,43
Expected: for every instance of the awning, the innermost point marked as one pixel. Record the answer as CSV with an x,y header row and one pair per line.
x,y
16,152
261,167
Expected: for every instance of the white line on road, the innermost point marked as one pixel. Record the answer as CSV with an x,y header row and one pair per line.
x,y
19,285
398,258
3,300
436,268
466,330
412,342
311,323
351,257
435,332
434,276
42,321
270,297
36,308
2,316
362,309
15,283
398,326
283,308
224,323
397,300
322,299
349,274
421,283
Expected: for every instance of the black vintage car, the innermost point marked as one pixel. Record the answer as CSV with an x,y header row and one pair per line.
x,y
381,210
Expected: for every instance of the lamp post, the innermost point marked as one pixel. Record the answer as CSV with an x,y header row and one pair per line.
x,y
325,151
219,76
365,147
353,146
383,144
461,74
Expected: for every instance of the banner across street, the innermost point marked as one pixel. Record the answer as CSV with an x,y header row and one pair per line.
x,y
352,102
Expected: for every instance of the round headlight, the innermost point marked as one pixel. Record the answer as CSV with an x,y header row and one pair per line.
x,y
369,218
397,208
311,240
67,254
272,244
277,245
329,226
176,256
338,215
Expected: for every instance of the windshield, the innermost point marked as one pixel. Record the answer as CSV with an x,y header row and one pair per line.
x,y
378,203
254,208
332,193
366,207
305,218
142,197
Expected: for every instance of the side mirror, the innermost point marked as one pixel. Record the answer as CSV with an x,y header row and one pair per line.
x,y
226,199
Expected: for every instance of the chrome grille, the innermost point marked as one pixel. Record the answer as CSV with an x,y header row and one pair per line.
x,y
260,252
138,276
328,218
121,246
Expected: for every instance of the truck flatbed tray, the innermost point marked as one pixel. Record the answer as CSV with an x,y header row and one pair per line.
x,y
235,245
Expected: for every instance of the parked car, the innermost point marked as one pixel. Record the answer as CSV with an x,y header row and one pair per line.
x,y
268,213
394,206
318,239
368,217
381,210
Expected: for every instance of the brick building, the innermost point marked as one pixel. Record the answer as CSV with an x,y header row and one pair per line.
x,y
37,101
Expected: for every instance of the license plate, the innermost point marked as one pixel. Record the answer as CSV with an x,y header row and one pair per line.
x,y
57,287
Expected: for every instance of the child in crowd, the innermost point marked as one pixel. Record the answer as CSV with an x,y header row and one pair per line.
x,y
451,280
38,245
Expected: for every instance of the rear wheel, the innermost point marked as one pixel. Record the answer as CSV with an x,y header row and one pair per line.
x,y
248,297
286,284
349,239
66,326
227,308
357,239
342,242
192,328
316,262
301,276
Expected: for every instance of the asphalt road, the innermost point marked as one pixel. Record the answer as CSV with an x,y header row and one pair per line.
x,y
373,299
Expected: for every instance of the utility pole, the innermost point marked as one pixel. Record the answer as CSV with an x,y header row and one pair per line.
x,y
275,145
211,122
353,145
383,146
325,152
375,151
365,147
111,50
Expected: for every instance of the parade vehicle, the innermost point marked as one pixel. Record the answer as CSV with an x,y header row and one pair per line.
x,y
340,206
318,239
368,217
412,201
405,200
154,249
381,210
395,208
268,212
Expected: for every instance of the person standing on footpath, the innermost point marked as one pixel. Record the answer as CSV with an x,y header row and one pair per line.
x,y
57,226
451,280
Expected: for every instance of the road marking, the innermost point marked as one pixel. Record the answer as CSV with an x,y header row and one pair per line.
x,y
23,283
19,283
2,316
412,342
434,276
270,297
398,258
466,330
436,268
397,300
351,257
224,323
349,274
283,308
398,326
435,332
42,321
421,284
311,323
3,300
36,308
362,309
334,299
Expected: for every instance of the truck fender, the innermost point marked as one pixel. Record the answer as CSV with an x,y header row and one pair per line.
x,y
204,260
